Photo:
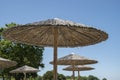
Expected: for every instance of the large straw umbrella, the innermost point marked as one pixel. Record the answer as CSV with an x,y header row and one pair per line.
x,y
78,68
25,69
6,63
55,33
74,59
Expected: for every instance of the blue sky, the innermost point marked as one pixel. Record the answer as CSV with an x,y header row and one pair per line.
x,y
101,14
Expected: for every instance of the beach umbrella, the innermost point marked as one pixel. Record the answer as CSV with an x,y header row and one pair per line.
x,y
25,69
74,59
78,68
55,33
6,63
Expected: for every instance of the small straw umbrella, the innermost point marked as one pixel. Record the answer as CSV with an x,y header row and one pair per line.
x,y
6,63
74,59
55,33
78,68
25,69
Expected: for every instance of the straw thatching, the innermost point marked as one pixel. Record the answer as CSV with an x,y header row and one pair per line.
x,y
41,33
74,59
6,63
25,69
78,68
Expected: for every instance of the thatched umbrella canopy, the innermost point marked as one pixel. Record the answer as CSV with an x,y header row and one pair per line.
x,y
25,69
74,59
55,33
6,63
78,68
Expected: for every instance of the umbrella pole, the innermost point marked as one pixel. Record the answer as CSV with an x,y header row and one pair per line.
x,y
24,76
73,72
78,75
55,52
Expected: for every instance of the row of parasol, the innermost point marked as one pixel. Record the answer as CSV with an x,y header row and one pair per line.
x,y
76,62
55,33
71,59
5,63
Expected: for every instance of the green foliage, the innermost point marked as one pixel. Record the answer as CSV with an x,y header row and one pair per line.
x,y
83,78
61,77
91,77
1,29
12,24
49,76
21,53
104,79
39,78
68,77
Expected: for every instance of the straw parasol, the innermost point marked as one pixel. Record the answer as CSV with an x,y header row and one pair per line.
x,y
25,69
78,68
74,59
55,33
6,63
